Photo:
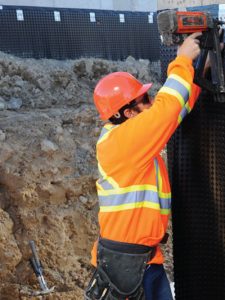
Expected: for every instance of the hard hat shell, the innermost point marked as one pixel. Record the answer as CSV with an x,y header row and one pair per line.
x,y
115,90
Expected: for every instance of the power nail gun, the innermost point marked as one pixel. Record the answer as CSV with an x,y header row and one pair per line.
x,y
174,26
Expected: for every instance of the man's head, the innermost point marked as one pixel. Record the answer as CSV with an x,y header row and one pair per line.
x,y
120,96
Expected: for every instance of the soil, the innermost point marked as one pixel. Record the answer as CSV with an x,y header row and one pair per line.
x,y
48,131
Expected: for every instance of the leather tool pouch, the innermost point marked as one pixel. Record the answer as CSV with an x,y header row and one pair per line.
x,y
120,271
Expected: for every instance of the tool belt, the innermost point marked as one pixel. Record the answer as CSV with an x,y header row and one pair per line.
x,y
120,270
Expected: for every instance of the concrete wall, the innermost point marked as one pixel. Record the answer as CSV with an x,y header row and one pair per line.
x,y
163,4
130,5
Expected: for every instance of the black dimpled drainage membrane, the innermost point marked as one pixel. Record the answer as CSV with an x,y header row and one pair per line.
x,y
196,158
196,161
75,36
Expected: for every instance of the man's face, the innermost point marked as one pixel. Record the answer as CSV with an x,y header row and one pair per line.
x,y
140,104
143,102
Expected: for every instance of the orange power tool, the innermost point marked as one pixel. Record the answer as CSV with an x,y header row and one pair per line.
x,y
174,26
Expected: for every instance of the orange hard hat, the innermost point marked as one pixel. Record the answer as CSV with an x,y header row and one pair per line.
x,y
115,90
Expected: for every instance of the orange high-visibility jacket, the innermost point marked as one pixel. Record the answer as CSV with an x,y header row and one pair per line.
x,y
133,188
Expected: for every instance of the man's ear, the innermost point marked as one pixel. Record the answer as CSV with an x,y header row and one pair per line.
x,y
129,113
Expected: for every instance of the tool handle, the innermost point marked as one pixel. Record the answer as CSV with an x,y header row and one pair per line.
x,y
222,36
35,255
34,267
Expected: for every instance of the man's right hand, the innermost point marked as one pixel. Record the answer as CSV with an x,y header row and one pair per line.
x,y
190,47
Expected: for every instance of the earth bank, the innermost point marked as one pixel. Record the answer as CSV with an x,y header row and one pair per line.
x,y
48,131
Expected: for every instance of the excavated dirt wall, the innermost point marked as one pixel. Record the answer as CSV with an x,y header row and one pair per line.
x,y
48,131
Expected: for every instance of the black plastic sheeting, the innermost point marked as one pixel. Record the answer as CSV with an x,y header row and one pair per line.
x,y
75,36
167,54
196,159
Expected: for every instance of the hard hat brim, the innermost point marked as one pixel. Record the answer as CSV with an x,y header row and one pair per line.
x,y
144,89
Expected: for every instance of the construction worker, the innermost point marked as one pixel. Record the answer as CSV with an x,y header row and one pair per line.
x,y
133,188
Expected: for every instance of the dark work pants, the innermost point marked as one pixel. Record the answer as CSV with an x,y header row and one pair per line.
x,y
156,283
